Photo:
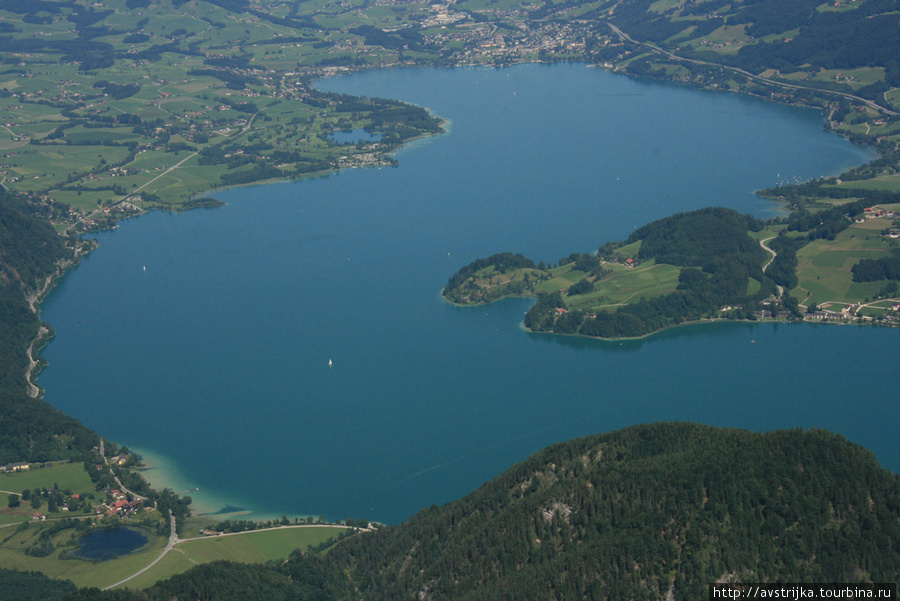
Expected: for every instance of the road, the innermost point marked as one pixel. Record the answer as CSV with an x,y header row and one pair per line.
x,y
164,173
173,538
758,78
766,266
138,189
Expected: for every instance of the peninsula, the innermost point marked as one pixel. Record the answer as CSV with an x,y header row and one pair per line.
x,y
709,264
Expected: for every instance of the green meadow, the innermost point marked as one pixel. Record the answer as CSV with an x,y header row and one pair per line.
x,y
246,547
15,540
67,476
824,266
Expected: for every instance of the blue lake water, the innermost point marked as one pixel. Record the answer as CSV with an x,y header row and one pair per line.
x,y
214,360
109,543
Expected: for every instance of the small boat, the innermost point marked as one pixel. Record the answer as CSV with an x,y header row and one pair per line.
x,y
330,363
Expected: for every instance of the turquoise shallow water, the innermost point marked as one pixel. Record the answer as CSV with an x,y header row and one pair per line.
x,y
216,356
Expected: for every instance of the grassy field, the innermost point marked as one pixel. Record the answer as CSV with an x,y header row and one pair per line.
x,y
628,284
893,97
248,547
890,183
824,266
68,476
622,285
855,78
83,573
173,563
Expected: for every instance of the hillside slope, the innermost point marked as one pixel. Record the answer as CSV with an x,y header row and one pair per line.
x,y
650,512
647,512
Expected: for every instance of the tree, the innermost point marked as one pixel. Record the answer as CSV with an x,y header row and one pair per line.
x,y
13,500
35,502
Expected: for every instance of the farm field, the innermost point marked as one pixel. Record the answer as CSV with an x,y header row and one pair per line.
x,y
824,266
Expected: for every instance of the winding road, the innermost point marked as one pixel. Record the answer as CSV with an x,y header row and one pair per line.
x,y
774,254
173,538
758,78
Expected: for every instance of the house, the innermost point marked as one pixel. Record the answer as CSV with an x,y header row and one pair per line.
x,y
20,466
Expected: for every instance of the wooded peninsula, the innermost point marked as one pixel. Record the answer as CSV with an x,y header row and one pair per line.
x,y
709,264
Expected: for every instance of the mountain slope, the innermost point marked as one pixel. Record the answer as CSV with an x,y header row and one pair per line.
x,y
647,512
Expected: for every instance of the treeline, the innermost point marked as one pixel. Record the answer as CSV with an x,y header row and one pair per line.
x,y
256,174
409,39
32,586
650,512
696,237
872,270
118,91
232,80
303,578
828,223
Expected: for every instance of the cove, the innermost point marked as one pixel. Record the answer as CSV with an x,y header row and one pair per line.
x,y
214,361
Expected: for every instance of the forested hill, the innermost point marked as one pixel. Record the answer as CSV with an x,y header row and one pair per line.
x,y
650,512
644,511
30,429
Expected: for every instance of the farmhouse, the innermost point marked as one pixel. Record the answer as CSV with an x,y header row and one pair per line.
x,y
21,466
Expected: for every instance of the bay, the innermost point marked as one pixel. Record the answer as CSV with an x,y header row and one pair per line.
x,y
214,360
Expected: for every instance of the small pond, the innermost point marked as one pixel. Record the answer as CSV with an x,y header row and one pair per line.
x,y
352,136
109,543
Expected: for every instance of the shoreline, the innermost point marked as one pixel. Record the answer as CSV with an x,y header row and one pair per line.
x,y
161,472
701,321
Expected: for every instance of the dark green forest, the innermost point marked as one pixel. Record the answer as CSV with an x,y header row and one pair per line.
x,y
32,586
650,512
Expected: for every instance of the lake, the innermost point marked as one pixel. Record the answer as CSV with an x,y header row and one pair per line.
x,y
109,543
289,353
